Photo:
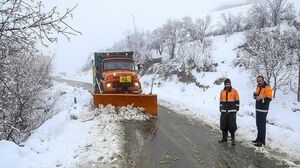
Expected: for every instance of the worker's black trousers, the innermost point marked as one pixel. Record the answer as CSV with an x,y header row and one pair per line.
x,y
228,123
261,121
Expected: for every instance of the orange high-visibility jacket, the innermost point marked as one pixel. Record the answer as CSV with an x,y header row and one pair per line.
x,y
265,92
229,101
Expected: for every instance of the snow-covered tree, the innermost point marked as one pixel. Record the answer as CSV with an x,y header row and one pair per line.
x,y
202,28
133,41
268,13
231,23
29,19
24,75
267,53
23,72
172,32
189,29
228,23
280,10
293,37
195,30
157,41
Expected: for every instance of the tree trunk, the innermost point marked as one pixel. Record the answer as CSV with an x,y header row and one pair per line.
x,y
172,50
275,87
298,94
160,51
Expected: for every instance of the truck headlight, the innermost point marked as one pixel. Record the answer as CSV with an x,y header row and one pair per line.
x,y
136,84
108,85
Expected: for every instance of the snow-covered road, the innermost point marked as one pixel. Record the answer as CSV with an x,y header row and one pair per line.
x,y
174,139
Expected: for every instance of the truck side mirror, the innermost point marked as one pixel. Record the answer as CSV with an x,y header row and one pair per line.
x,y
139,67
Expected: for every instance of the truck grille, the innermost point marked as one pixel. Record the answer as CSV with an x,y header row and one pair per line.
x,y
124,85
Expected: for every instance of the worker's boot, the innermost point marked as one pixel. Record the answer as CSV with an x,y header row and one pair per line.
x,y
224,138
232,139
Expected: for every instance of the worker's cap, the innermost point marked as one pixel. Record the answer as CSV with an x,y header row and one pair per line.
x,y
227,81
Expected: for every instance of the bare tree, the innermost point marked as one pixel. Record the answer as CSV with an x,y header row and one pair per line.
x,y
27,18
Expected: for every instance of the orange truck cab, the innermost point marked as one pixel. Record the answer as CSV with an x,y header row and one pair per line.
x,y
115,73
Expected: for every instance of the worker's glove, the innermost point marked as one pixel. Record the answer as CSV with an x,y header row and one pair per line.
x,y
221,105
260,98
254,95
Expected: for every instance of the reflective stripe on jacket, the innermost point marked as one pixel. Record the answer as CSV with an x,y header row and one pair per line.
x,y
229,101
264,91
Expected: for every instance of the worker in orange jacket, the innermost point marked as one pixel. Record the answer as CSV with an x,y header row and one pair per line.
x,y
229,106
263,96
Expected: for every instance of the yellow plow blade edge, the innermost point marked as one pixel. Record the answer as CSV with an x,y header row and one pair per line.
x,y
147,101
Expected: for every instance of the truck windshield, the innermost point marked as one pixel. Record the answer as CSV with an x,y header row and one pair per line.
x,y
118,64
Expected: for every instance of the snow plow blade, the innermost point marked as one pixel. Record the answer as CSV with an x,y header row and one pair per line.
x,y
147,101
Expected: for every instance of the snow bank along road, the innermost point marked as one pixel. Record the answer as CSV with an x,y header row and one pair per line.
x,y
173,140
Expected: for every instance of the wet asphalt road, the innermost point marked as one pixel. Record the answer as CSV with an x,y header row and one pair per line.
x,y
173,140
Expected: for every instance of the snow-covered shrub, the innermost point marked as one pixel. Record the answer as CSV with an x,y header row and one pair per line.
x,y
197,55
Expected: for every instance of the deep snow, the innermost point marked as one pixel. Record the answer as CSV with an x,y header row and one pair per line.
x,y
77,136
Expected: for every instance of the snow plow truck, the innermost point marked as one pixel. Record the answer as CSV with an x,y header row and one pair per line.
x,y
116,82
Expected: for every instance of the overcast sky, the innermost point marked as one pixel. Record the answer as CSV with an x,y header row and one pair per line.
x,y
103,22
